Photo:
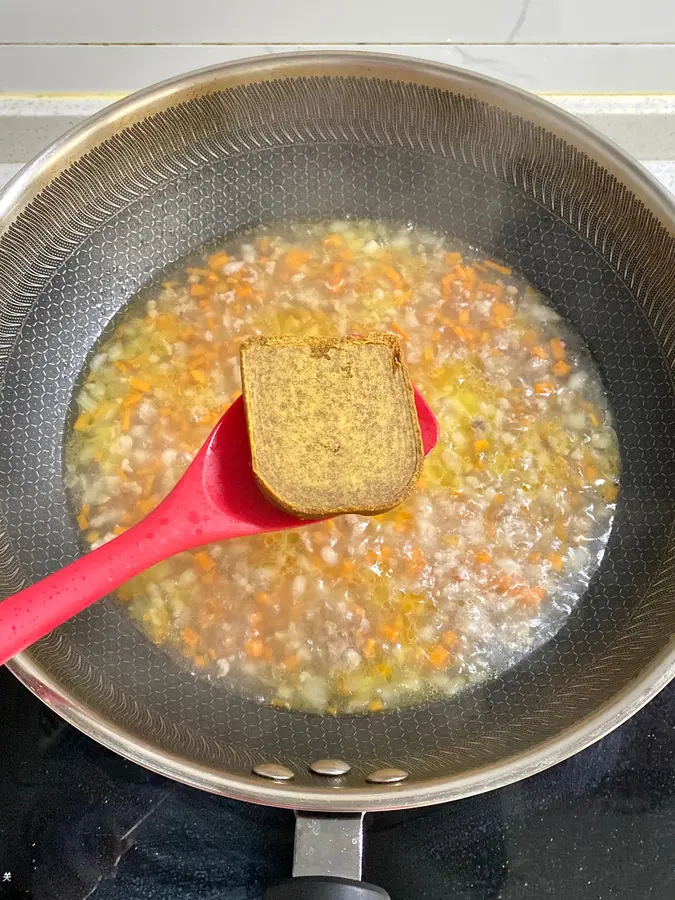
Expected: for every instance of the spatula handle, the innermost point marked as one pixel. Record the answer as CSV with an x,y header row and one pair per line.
x,y
35,611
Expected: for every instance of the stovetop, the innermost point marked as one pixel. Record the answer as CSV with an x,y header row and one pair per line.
x,y
77,821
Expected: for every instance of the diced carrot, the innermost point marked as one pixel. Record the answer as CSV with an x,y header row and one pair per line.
x,y
558,349
336,278
295,258
544,388
139,385
198,290
205,561
452,259
388,633
83,517
439,656
199,376
218,260
530,596
119,529
291,662
332,241
82,422
392,275
609,493
539,352
450,639
384,670
591,473
501,312
264,599
497,267
369,648
535,557
561,368
254,647
464,316
556,561
447,284
481,446
397,328
482,557
375,706
504,584
190,637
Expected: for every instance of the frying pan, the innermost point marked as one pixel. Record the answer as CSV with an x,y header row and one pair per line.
x,y
153,177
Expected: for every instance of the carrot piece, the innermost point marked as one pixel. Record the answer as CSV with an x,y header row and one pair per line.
x,y
205,561
558,349
452,259
447,284
190,637
539,351
254,648
199,376
464,316
375,706
332,241
439,656
119,529
217,260
369,648
264,599
198,290
336,278
556,561
450,639
544,388
388,633
291,662
561,368
482,557
139,385
501,312
393,275
530,596
399,331
295,258
497,267
481,446
535,557
83,517
82,422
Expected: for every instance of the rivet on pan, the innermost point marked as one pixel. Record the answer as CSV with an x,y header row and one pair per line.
x,y
273,771
387,776
333,767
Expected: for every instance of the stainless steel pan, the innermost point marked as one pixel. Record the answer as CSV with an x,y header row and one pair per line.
x,y
158,174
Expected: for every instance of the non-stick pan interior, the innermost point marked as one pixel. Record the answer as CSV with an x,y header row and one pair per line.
x,y
298,148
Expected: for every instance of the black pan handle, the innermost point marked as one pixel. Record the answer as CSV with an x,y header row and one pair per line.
x,y
320,887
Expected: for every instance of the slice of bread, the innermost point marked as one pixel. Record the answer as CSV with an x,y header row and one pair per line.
x,y
332,423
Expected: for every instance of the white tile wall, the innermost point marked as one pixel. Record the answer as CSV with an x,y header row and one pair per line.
x,y
561,46
349,21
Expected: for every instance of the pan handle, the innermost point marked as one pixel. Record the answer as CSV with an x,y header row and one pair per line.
x,y
327,861
318,887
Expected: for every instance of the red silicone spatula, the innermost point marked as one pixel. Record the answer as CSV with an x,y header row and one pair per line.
x,y
217,498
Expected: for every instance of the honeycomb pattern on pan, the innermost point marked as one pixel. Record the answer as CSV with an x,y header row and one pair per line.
x,y
223,162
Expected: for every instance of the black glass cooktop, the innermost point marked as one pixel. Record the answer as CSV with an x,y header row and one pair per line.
x,y
76,821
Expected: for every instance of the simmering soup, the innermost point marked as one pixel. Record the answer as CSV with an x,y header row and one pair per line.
x,y
480,565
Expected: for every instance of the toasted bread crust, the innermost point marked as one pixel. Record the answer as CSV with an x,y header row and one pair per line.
x,y
332,423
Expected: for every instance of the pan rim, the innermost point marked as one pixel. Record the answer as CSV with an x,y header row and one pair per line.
x,y
25,186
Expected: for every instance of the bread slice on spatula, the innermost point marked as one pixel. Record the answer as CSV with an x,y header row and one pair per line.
x,y
332,423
